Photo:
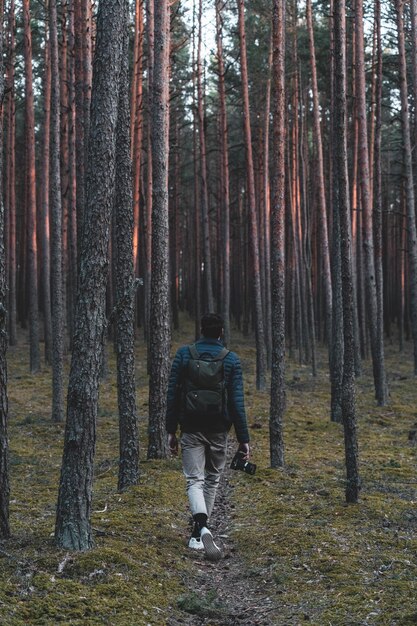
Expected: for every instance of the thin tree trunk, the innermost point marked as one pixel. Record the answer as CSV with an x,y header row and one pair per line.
x,y
160,328
45,211
136,125
342,221
73,526
125,294
356,233
87,67
225,194
56,222
267,212
408,171
254,241
377,346
277,408
209,298
150,9
413,15
197,210
321,189
4,409
377,182
72,180
35,362
64,165
174,225
11,178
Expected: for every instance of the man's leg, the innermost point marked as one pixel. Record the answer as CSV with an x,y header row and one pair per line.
x,y
193,448
194,452
215,461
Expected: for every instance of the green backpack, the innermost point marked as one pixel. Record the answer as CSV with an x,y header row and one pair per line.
x,y
203,388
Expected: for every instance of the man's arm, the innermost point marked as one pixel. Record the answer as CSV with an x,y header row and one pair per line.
x,y
173,408
237,405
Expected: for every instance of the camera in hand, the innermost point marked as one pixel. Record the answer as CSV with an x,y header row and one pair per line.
x,y
239,463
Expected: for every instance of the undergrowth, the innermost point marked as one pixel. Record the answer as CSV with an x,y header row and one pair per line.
x,y
324,561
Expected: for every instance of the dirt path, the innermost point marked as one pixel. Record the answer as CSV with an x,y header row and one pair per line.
x,y
222,594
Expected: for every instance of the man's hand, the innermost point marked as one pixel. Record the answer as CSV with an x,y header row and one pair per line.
x,y
173,444
244,448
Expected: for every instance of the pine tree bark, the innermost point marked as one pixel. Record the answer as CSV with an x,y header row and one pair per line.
x,y
413,16
4,409
150,30
11,177
45,212
64,161
254,241
204,202
32,250
124,279
377,181
73,526
197,208
160,328
321,189
136,125
56,223
377,345
342,222
276,427
72,173
225,193
408,171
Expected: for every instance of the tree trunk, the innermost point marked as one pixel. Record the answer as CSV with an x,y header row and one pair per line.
x,y
45,211
160,329
11,178
35,362
125,277
56,222
267,212
254,241
277,408
73,527
150,28
79,116
64,165
209,298
224,164
197,211
377,346
4,442
377,182
174,223
72,180
342,222
136,125
87,67
321,189
408,171
413,16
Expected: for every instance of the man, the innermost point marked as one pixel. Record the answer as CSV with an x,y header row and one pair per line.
x,y
205,412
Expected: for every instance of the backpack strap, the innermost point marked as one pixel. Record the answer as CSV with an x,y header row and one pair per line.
x,y
218,357
193,351
222,355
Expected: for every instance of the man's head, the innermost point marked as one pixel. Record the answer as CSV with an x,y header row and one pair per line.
x,y
212,325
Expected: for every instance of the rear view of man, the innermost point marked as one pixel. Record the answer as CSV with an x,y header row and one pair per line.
x,y
205,398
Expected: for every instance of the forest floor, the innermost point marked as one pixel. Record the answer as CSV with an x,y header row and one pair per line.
x,y
294,552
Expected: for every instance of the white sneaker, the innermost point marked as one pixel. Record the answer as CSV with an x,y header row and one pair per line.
x,y
212,551
195,543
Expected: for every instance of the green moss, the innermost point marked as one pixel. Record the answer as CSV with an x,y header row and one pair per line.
x,y
321,559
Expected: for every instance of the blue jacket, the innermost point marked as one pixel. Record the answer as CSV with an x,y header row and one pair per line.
x,y
233,380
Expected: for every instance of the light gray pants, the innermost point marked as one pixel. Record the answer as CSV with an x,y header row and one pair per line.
x,y
203,460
